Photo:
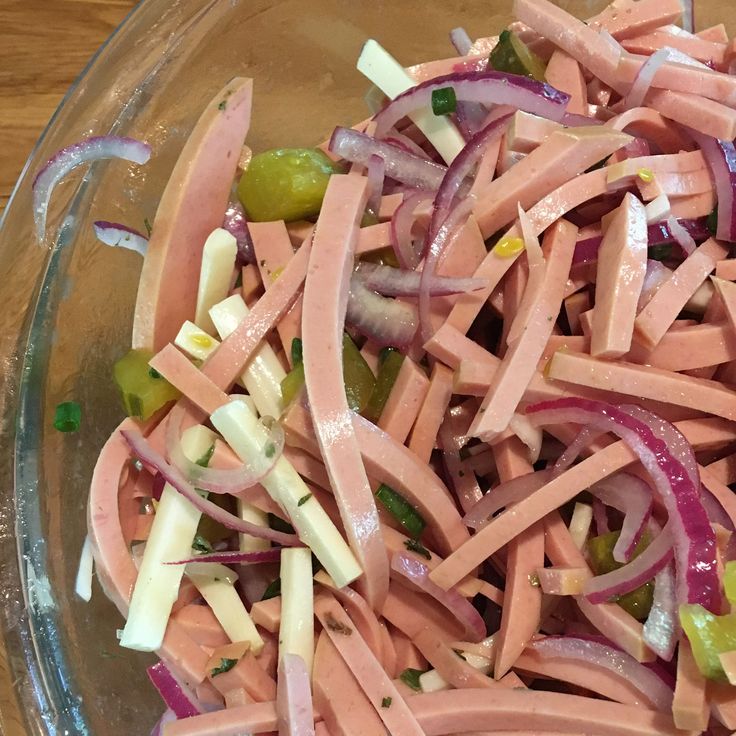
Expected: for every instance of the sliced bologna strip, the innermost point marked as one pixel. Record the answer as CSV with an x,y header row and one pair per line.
x,y
191,207
323,320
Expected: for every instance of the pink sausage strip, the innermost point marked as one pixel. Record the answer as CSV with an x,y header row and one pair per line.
x,y
706,116
503,528
622,264
254,718
726,290
273,249
373,238
411,612
115,569
726,269
450,711
575,305
191,207
519,365
372,678
200,623
522,600
662,310
699,48
405,401
717,34
564,73
252,286
647,123
247,674
723,470
644,381
689,708
691,347
323,317
636,17
432,412
719,488
563,580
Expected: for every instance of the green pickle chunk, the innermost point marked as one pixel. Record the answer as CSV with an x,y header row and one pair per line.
x,y
357,375
513,56
389,365
143,392
600,552
709,635
285,184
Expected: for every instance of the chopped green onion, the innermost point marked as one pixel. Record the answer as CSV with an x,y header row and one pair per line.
x,y
410,677
201,544
68,416
414,546
401,510
304,499
272,591
269,450
292,383
279,524
239,280
204,461
297,355
225,665
711,221
386,702
389,365
444,101
660,252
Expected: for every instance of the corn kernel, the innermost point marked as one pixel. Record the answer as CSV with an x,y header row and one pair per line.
x,y
508,247
204,341
646,175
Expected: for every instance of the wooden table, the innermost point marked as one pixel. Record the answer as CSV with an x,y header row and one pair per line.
x,y
44,44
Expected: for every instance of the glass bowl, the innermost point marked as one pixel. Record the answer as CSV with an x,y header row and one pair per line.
x,y
67,308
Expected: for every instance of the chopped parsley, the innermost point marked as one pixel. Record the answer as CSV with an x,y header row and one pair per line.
x,y
225,665
304,499
153,373
68,416
386,702
410,677
337,626
415,546
269,450
204,461
200,544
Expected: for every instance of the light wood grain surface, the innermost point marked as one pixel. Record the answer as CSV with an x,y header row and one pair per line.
x,y
44,45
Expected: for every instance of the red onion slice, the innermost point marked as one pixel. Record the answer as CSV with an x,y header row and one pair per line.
x,y
217,480
402,224
235,557
721,159
236,223
167,717
67,159
681,235
294,697
633,497
148,456
120,236
583,438
462,42
572,120
177,696
621,664
376,173
644,78
417,573
640,570
694,539
390,281
384,320
662,627
487,88
401,165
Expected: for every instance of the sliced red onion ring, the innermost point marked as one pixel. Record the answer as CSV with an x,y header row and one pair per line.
x,y
147,455
462,42
294,697
384,320
644,78
600,517
67,159
583,438
167,717
621,664
177,696
721,159
407,144
658,234
662,627
217,480
681,235
121,236
236,224
376,172
694,539
418,573
636,148
488,88
390,281
503,496
235,557
633,497
634,574
401,165
656,274
402,224
573,120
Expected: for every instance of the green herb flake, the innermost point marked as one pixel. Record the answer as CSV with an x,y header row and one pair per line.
x,y
444,101
147,223
222,105
711,221
460,654
204,461
279,524
534,581
272,591
410,677
68,416
401,510
415,546
297,351
200,544
153,373
386,702
337,626
225,665
269,450
304,499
